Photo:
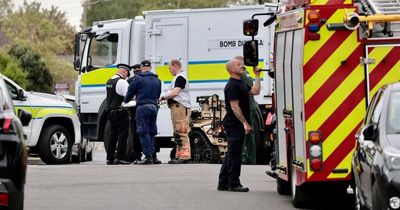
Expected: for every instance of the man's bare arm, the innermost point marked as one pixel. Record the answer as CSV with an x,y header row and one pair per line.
x,y
255,89
237,111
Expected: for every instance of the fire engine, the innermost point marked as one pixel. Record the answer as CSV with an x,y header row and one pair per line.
x,y
330,57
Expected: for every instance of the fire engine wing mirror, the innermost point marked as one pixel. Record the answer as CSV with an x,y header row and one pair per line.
x,y
270,20
250,53
250,27
103,36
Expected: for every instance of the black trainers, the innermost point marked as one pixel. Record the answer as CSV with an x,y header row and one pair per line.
x,y
110,162
239,188
121,162
156,161
178,161
222,188
146,161
271,174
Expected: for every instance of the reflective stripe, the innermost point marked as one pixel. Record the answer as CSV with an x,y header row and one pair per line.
x,y
43,111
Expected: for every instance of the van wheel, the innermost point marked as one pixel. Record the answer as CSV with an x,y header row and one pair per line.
x,y
55,145
201,148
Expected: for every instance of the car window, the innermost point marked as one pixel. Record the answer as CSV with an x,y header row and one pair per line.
x,y
393,119
370,109
103,52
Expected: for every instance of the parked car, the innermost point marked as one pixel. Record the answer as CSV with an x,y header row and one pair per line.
x,y
376,161
54,131
13,156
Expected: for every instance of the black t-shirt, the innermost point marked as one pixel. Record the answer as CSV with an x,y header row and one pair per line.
x,y
236,90
180,82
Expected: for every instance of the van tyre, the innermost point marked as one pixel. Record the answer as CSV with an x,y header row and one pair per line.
x,y
55,145
202,151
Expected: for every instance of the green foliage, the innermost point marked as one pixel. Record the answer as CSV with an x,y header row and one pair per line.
x,y
5,7
38,75
46,32
10,68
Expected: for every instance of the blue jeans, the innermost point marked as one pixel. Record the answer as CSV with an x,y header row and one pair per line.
x,y
146,127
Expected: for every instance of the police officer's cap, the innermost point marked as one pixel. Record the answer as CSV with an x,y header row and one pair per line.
x,y
146,63
124,66
136,66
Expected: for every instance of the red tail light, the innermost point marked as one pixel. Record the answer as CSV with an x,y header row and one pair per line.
x,y
316,164
4,199
7,126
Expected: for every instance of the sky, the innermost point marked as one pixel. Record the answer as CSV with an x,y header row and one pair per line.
x,y
72,8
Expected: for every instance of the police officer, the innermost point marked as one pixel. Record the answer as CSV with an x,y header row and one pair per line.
x,y
137,146
147,89
179,102
116,90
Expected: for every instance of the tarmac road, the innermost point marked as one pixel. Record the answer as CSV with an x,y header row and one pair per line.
x,y
96,186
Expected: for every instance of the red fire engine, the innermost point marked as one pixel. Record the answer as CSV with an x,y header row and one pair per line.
x,y
330,57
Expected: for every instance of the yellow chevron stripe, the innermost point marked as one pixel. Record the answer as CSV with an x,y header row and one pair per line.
x,y
330,66
344,129
340,133
346,163
392,76
348,2
312,47
318,2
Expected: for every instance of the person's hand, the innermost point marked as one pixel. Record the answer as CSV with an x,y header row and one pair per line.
x,y
161,98
257,71
247,128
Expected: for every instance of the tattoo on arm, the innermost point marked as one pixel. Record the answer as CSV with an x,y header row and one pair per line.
x,y
237,111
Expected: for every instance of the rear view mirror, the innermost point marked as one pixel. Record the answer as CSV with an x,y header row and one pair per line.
x,y
250,53
25,117
77,63
250,27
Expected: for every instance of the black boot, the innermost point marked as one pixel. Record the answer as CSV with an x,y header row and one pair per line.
x,y
146,161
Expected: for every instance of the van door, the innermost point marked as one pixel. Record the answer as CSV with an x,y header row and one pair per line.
x,y
167,38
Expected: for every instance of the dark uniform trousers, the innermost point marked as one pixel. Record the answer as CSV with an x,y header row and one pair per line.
x,y
231,166
119,133
146,127
137,146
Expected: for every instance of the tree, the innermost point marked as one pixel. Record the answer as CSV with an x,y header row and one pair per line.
x,y
38,75
5,7
10,68
46,32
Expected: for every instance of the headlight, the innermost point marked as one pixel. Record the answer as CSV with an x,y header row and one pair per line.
x,y
392,158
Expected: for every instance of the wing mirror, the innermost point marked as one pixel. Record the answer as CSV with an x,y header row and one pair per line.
x,y
250,27
370,132
25,117
250,53
21,95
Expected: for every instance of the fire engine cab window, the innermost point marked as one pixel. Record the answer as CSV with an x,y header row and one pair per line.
x,y
393,115
103,52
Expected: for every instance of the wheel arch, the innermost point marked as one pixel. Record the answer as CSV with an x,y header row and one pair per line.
x,y
63,121
102,120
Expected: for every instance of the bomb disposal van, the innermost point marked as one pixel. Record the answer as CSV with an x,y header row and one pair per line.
x,y
202,39
54,130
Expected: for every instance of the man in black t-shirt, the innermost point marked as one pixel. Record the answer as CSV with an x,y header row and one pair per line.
x,y
236,125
